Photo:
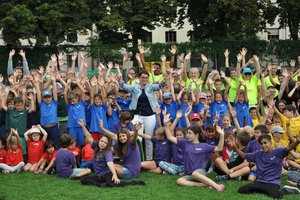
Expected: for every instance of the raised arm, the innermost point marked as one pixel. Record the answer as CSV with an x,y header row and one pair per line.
x,y
107,132
243,53
221,139
137,127
142,53
10,69
257,65
173,54
175,122
25,63
239,58
146,137
169,135
54,87
86,133
45,134
205,66
32,103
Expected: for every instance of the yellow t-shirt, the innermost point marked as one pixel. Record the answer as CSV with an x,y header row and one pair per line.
x,y
294,124
157,78
193,86
233,88
256,121
281,142
297,150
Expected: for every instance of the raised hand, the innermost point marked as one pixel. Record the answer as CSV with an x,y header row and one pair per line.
x,y
173,49
141,49
12,53
189,110
188,56
293,63
1,79
179,114
256,58
138,57
181,57
226,53
53,58
81,122
239,57
163,58
22,53
101,124
167,118
110,65
285,73
74,56
204,58
244,51
125,56
93,81
138,126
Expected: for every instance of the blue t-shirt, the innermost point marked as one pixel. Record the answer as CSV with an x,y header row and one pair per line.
x,y
112,119
98,113
87,110
182,120
48,113
124,104
242,114
220,108
269,165
75,113
172,109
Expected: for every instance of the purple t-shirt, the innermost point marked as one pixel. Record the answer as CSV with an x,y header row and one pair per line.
x,y
269,165
211,141
177,155
118,126
195,155
162,150
100,163
132,159
253,146
65,162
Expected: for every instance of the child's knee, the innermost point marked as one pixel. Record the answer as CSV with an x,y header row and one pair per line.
x,y
180,181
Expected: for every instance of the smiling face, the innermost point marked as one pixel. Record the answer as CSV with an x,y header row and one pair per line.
x,y
226,121
50,149
191,136
179,135
266,145
194,73
122,137
144,79
35,137
103,142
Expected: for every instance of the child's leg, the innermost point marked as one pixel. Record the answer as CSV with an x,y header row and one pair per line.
x,y
27,166
269,189
83,172
18,167
91,180
119,169
188,181
252,176
148,165
221,164
33,167
6,167
199,175
170,168
241,172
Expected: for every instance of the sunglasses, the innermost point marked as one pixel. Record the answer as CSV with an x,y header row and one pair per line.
x,y
247,74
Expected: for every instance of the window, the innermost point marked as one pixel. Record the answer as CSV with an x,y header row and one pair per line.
x,y
146,37
273,33
170,36
72,37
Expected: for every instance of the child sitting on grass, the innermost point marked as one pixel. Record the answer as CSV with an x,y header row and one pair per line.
x,y
14,157
235,167
195,155
65,161
269,167
35,145
87,154
47,159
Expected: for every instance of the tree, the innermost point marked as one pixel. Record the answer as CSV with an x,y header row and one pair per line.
x,y
217,20
289,16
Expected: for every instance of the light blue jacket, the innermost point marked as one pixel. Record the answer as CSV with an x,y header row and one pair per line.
x,y
10,69
136,91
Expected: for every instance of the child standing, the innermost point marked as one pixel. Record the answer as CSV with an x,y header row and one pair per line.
x,y
35,146
65,161
14,157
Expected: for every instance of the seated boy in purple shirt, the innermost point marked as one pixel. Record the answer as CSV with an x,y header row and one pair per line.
x,y
269,167
195,154
65,161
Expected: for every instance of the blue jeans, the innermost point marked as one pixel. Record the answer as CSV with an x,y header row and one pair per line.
x,y
171,168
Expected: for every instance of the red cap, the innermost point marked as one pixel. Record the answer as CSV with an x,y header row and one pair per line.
x,y
195,116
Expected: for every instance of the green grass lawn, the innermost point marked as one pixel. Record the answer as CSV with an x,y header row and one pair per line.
x,y
40,186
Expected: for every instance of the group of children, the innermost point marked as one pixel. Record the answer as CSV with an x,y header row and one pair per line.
x,y
61,122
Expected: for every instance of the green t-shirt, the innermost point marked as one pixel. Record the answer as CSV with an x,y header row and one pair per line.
x,y
252,89
233,88
157,77
268,83
62,107
193,85
18,120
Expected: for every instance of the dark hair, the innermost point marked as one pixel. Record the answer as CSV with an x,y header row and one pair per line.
x,y
264,136
228,133
270,87
262,128
48,144
180,129
290,108
98,95
210,127
122,147
196,129
218,80
65,140
143,72
125,115
111,93
99,153
18,100
243,138
252,108
157,64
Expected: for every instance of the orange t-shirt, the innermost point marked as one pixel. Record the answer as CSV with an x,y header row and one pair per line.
x,y
3,154
35,150
14,157
87,153
49,156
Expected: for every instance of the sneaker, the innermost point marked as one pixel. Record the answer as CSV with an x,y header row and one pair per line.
x,y
165,173
220,188
210,170
222,178
5,171
239,178
290,190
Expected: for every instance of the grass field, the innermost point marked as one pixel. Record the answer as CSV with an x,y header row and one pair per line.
x,y
40,186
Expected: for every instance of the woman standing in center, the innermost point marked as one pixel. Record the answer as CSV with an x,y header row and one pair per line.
x,y
145,103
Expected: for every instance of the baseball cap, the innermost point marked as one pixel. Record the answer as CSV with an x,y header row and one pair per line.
x,y
35,130
167,95
277,129
47,93
247,70
202,95
195,116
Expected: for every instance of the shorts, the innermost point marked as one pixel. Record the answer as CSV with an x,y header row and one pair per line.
x,y
190,178
76,171
126,174
252,173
